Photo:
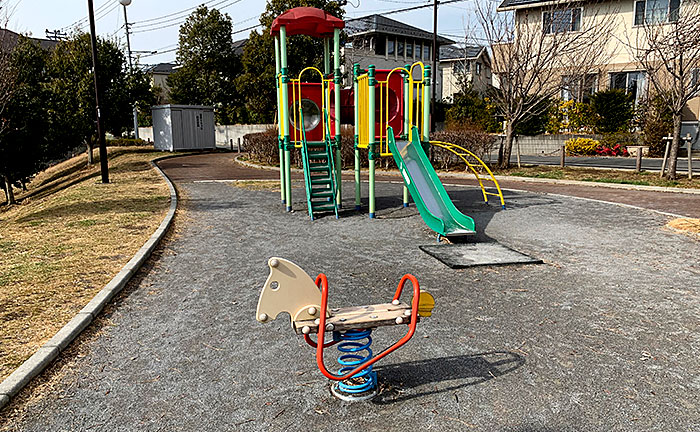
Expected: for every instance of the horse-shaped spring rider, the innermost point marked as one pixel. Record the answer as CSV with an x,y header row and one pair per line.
x,y
290,289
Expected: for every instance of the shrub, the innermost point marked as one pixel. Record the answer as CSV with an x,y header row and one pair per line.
x,y
125,142
582,146
471,111
262,146
570,116
613,110
656,121
477,142
622,139
535,124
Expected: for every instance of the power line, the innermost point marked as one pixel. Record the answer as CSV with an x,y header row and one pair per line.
x,y
84,20
180,20
175,15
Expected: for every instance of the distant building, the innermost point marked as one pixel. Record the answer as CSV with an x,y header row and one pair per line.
x,y
471,63
387,43
159,76
8,39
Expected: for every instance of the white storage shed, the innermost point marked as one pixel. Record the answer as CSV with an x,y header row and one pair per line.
x,y
183,127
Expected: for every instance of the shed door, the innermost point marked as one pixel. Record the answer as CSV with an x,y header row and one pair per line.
x,y
176,124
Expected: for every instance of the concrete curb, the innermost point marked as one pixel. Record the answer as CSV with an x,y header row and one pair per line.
x,y
35,364
512,178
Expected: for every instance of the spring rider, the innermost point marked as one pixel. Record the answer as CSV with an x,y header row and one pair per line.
x,y
290,289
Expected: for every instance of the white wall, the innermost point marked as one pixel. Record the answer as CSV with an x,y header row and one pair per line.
x,y
224,133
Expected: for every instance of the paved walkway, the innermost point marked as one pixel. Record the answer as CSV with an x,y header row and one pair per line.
x,y
221,166
602,337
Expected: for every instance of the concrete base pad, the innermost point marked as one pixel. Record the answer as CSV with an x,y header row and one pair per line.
x,y
477,254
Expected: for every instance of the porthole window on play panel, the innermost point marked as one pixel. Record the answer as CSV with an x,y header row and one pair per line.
x,y
311,113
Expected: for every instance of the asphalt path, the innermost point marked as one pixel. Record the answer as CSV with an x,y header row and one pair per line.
x,y
602,337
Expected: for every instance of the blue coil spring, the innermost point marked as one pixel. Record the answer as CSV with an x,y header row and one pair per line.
x,y
355,349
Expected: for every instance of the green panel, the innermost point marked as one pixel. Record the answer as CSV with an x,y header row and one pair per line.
x,y
431,198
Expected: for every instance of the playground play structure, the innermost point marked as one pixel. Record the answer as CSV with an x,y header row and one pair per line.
x,y
289,289
391,117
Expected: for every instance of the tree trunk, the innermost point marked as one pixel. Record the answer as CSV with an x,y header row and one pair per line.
x,y
8,190
507,146
89,151
675,146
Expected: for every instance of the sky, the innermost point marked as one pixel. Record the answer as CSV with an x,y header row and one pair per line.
x,y
155,23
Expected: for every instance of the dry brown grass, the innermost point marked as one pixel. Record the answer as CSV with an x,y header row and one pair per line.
x,y
643,178
686,225
67,239
268,185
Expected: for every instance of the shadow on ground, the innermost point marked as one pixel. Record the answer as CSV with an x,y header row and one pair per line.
x,y
466,370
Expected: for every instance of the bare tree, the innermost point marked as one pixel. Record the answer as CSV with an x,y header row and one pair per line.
x,y
667,46
7,84
581,67
531,51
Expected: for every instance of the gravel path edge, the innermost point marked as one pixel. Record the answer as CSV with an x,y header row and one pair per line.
x,y
48,352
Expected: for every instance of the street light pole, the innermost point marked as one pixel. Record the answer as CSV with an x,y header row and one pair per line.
x,y
104,169
126,3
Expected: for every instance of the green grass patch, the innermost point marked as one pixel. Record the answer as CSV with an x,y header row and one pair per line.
x,y
617,181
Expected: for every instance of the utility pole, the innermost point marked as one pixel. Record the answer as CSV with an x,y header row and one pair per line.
x,y
126,3
104,169
436,54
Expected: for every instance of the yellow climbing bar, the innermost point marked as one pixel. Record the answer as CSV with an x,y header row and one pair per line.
x,y
464,154
363,120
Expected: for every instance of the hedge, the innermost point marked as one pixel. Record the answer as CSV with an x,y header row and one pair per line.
x,y
262,147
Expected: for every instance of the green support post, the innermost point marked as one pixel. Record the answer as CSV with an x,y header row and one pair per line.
x,y
406,122
338,81
426,110
326,57
358,180
288,146
280,141
372,138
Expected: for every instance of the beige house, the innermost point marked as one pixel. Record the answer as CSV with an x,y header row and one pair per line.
x,y
616,68
471,63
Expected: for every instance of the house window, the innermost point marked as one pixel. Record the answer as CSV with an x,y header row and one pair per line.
x,y
390,47
656,11
426,52
380,45
631,82
477,68
409,49
399,50
419,51
561,21
570,87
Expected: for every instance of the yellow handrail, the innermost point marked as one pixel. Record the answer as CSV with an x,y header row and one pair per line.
x,y
464,152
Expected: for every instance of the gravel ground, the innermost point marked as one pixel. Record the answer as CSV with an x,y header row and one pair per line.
x,y
603,336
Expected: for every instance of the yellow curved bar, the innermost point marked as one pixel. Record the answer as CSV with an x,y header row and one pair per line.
x,y
452,147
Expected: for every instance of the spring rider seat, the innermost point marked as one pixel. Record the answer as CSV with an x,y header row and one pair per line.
x,y
289,289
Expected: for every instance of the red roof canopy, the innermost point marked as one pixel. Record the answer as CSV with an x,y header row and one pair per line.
x,y
307,21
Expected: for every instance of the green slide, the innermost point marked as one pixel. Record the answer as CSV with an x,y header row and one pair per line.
x,y
430,196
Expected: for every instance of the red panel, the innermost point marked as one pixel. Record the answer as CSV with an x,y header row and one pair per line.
x,y
307,21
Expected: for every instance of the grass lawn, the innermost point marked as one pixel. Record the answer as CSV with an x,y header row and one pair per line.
x,y
643,178
69,236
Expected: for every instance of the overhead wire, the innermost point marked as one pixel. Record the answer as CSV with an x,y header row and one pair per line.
x,y
180,20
